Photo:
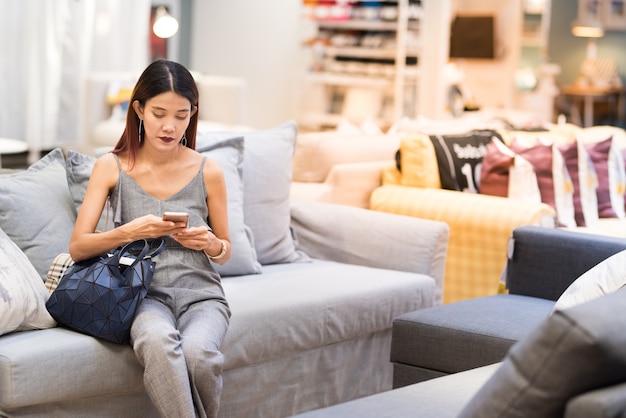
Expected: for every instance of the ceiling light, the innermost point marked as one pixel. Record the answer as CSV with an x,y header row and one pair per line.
x,y
165,26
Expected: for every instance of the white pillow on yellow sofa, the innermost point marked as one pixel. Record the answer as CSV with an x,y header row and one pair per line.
x,y
606,277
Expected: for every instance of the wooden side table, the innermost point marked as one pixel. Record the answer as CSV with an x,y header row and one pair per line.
x,y
11,146
590,94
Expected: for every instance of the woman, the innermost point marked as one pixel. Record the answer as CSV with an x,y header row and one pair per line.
x,y
180,325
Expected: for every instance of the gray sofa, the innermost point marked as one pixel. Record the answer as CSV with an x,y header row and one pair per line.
x,y
308,330
509,355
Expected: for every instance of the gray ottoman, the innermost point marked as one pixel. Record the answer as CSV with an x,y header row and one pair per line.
x,y
451,338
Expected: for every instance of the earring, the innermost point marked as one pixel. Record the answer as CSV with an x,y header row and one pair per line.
x,y
183,141
140,126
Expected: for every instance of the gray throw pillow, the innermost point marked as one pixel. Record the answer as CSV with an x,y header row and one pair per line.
x,y
79,167
572,352
36,210
229,155
267,171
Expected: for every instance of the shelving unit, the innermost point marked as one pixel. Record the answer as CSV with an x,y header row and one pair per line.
x,y
373,47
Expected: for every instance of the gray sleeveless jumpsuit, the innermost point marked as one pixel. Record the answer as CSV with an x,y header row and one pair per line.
x,y
180,325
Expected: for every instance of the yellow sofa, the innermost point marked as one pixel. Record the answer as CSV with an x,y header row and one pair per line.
x,y
480,225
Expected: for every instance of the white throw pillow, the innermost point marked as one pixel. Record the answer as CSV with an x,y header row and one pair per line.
x,y
605,277
23,295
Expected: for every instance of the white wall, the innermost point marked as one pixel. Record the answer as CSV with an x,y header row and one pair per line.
x,y
492,81
258,41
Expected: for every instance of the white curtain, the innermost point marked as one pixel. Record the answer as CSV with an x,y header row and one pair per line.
x,y
48,47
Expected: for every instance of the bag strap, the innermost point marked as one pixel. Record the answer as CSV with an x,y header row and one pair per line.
x,y
126,249
159,248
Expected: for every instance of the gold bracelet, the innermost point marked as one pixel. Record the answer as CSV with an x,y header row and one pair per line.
x,y
220,255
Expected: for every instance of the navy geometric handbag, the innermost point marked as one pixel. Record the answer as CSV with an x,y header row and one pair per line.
x,y
100,296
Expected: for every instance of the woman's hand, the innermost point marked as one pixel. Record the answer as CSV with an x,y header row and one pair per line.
x,y
151,226
196,238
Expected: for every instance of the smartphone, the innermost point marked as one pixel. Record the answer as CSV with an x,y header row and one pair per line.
x,y
176,217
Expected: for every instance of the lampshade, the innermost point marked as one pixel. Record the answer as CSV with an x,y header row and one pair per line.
x,y
587,28
165,26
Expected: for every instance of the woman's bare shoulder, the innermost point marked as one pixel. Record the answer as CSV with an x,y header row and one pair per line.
x,y
106,167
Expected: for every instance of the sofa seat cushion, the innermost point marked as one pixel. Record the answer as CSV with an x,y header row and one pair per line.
x,y
441,398
294,307
56,364
465,334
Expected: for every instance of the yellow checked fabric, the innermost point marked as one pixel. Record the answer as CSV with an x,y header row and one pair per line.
x,y
480,227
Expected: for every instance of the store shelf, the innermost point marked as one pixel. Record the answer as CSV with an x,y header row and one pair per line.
x,y
372,25
374,53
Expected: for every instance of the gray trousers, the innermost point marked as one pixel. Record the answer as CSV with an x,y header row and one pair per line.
x,y
178,344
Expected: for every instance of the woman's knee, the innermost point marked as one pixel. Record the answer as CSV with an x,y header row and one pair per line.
x,y
202,359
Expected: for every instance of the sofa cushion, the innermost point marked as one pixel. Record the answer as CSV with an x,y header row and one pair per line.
x,y
23,380
465,334
441,398
573,351
304,305
267,170
229,155
606,277
22,293
37,211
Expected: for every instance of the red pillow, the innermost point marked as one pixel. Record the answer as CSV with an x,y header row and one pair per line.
x,y
494,173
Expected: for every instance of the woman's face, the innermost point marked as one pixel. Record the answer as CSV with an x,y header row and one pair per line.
x,y
165,118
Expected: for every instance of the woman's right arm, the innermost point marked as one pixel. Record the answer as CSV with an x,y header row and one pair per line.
x,y
85,242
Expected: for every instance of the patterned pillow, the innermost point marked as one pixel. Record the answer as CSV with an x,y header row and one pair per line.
x,y
460,157
555,184
507,174
584,180
58,268
609,165
494,174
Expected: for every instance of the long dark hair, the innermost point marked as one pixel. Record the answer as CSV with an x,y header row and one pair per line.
x,y
159,77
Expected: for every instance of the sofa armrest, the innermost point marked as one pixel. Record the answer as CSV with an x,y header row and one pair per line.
x,y
543,262
480,227
605,402
359,236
